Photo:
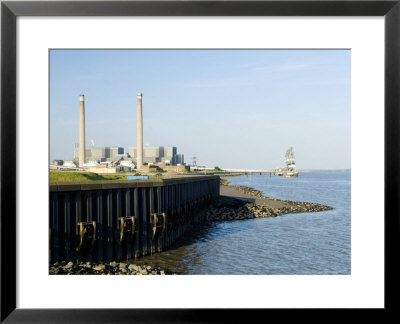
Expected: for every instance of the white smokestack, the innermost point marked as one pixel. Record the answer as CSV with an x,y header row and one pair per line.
x,y
139,137
81,130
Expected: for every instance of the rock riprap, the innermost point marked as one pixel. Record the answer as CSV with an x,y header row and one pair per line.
x,y
110,268
235,208
250,210
246,211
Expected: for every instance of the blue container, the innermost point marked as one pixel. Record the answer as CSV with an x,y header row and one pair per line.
x,y
137,177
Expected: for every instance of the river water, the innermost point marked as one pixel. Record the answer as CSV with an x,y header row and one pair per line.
x,y
304,243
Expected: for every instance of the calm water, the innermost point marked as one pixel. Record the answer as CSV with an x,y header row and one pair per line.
x,y
307,243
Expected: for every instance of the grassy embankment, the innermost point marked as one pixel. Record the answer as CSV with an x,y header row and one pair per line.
x,y
72,176
76,176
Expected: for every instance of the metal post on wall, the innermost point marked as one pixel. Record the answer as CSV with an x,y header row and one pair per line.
x,y
98,254
89,218
109,227
150,241
54,240
136,212
143,222
66,228
116,215
78,218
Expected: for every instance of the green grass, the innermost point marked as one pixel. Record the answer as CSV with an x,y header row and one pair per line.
x,y
72,176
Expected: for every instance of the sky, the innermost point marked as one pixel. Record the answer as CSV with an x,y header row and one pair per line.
x,y
229,108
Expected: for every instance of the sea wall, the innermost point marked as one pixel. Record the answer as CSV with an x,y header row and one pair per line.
x,y
106,221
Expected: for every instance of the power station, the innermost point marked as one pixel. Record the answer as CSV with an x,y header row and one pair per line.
x,y
109,157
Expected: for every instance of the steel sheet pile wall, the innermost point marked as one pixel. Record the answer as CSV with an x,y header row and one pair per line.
x,y
121,220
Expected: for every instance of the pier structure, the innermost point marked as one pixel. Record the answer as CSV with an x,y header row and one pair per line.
x,y
248,171
139,161
114,220
239,171
81,130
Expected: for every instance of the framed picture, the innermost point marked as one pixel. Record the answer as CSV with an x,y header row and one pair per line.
x,y
35,54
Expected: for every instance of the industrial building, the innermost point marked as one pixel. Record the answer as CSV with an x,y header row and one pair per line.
x,y
180,159
158,154
99,154
169,155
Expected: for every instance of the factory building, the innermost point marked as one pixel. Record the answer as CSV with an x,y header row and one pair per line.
x,y
99,154
150,154
180,159
115,152
169,155
158,154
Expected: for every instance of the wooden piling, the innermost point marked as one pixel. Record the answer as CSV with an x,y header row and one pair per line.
x,y
128,241
77,218
143,222
150,240
136,212
54,240
88,253
98,218
66,228
108,227
116,229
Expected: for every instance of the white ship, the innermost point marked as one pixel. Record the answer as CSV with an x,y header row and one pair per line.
x,y
290,169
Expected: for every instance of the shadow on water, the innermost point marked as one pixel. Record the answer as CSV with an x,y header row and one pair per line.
x,y
202,231
183,253
231,202
242,199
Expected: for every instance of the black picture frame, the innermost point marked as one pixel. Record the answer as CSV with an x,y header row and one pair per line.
x,y
10,10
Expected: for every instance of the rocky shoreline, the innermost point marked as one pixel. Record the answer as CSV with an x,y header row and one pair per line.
x,y
110,268
251,210
230,208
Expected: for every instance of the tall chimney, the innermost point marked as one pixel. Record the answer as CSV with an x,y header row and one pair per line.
x,y
81,130
139,150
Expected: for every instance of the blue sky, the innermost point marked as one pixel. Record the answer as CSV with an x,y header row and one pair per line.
x,y
231,108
